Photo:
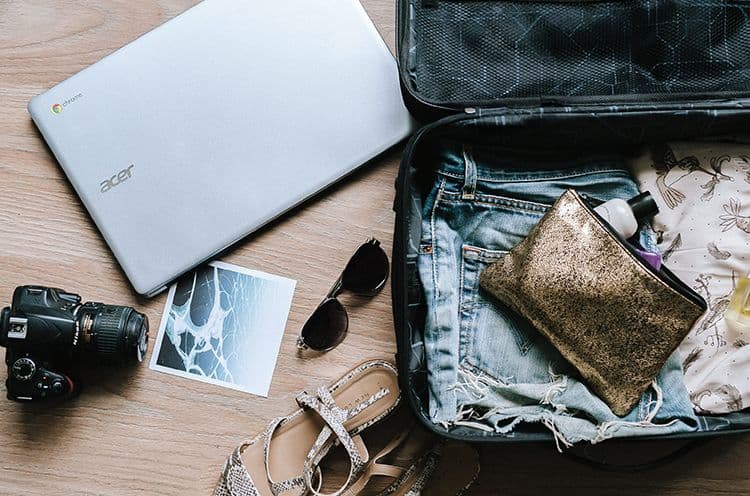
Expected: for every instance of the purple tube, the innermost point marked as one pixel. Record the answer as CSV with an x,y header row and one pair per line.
x,y
653,259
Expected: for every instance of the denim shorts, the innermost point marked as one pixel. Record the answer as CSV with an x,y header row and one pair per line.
x,y
487,367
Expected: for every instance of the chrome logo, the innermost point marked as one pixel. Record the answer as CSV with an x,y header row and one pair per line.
x,y
57,108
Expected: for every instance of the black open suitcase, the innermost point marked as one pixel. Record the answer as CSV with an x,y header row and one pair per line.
x,y
559,75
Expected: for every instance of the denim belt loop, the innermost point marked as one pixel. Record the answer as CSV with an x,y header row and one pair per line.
x,y
470,175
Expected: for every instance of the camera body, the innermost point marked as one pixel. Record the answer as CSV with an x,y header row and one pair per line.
x,y
45,329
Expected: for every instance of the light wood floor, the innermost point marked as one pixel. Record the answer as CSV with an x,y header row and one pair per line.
x,y
143,432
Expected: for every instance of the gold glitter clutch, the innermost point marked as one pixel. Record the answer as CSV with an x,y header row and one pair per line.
x,y
608,312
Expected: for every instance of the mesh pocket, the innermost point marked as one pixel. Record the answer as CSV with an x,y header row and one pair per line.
x,y
489,50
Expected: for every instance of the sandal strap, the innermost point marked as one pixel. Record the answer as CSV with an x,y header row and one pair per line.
x,y
334,417
288,485
426,467
235,480
433,459
374,468
285,486
324,404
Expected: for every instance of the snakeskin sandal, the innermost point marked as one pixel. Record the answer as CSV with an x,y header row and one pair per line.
x,y
440,469
291,447
448,469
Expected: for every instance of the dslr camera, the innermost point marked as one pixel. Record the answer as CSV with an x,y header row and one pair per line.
x,y
45,330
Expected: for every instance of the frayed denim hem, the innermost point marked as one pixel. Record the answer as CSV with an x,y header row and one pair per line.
x,y
568,425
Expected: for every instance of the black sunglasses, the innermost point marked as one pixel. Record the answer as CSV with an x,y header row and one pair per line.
x,y
365,275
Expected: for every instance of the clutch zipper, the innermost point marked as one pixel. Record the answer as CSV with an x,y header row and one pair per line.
x,y
664,274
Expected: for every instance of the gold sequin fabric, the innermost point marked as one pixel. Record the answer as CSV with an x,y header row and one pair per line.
x,y
607,313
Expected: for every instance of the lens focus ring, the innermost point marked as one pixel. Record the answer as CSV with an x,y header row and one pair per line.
x,y
113,332
108,325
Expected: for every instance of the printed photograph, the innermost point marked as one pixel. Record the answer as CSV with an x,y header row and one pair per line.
x,y
223,325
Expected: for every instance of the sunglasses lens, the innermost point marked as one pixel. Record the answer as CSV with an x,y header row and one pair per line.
x,y
326,327
367,270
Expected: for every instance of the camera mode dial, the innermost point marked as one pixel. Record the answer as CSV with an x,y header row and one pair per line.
x,y
23,369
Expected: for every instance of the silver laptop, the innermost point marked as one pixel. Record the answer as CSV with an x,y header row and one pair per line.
x,y
208,127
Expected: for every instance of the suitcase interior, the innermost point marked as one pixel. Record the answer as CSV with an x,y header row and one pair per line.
x,y
559,79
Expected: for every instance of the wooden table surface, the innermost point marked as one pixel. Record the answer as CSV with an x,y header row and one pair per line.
x,y
144,432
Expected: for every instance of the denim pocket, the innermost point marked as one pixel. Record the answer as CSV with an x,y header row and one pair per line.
x,y
492,336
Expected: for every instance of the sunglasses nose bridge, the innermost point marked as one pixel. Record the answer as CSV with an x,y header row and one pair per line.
x,y
336,289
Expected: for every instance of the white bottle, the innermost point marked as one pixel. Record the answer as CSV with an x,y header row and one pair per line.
x,y
623,215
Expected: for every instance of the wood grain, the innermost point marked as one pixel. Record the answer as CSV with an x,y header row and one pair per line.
x,y
141,432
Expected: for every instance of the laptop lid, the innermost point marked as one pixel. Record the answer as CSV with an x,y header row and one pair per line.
x,y
208,127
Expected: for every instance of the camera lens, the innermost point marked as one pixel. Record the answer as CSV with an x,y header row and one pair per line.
x,y
114,332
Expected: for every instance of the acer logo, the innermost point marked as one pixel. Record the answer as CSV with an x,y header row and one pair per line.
x,y
117,179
